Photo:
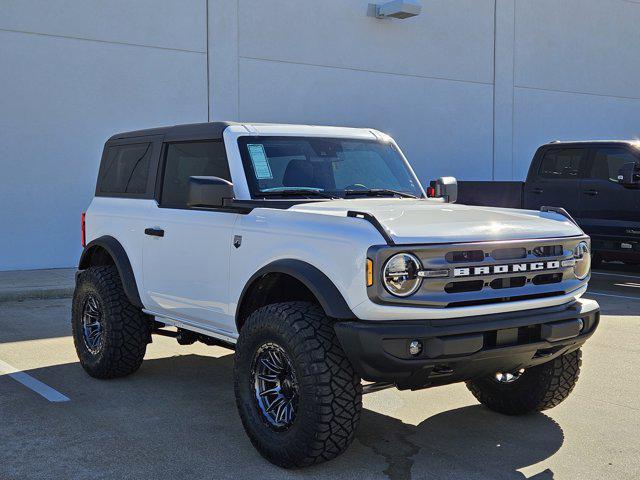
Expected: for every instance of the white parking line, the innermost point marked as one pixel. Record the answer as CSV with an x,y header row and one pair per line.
x,y
611,295
628,285
28,381
605,274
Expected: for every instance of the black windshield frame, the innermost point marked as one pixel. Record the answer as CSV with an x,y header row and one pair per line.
x,y
257,193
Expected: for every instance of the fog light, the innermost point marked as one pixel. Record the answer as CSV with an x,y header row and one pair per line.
x,y
581,324
415,347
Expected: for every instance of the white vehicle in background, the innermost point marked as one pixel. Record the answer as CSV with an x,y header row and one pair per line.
x,y
315,253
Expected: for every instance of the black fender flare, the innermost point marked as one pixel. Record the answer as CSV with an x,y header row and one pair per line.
x,y
121,261
328,295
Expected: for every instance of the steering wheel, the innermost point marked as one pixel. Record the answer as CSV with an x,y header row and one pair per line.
x,y
356,186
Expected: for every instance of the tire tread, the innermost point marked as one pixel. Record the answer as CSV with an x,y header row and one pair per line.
x,y
540,388
325,370
129,328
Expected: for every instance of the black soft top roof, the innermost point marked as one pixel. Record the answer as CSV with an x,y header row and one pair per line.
x,y
210,130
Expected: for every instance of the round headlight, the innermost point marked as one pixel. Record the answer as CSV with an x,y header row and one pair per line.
x,y
400,275
583,260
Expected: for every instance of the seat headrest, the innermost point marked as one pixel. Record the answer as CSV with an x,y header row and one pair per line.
x,y
299,173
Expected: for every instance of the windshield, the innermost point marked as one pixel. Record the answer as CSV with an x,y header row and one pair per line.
x,y
325,167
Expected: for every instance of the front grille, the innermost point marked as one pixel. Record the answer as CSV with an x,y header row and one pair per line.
x,y
465,256
468,286
508,282
484,272
489,301
548,251
492,286
509,253
547,279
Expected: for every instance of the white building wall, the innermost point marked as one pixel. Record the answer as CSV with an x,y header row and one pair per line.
x,y
71,74
577,72
427,81
469,88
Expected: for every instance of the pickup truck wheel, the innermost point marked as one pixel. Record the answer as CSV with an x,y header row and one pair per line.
x,y
298,396
535,389
110,334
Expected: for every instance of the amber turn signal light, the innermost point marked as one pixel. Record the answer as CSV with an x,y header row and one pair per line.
x,y
369,272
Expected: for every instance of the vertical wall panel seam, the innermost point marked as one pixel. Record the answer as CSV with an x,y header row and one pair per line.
x,y
513,95
493,133
208,62
238,58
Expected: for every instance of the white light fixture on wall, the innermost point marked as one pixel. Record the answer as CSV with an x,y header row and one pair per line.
x,y
395,9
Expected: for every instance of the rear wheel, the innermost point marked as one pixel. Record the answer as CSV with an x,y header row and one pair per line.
x,y
110,334
531,390
297,394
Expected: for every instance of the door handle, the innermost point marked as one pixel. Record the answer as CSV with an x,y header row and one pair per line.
x,y
154,232
593,192
537,190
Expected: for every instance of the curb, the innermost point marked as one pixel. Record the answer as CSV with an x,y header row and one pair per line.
x,y
35,293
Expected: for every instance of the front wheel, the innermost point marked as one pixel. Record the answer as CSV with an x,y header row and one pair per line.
x,y
532,390
298,396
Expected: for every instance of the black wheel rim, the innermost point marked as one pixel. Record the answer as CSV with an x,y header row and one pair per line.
x,y
92,324
276,386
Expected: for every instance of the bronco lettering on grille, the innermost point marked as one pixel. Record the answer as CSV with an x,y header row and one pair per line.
x,y
498,269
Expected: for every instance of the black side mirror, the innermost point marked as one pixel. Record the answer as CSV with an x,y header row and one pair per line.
x,y
444,187
208,191
629,175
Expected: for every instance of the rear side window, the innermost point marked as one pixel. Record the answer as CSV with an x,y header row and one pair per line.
x,y
126,169
562,163
608,161
187,159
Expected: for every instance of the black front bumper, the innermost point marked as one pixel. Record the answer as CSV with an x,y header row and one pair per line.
x,y
456,350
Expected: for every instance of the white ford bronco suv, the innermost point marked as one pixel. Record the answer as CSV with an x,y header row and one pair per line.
x,y
315,253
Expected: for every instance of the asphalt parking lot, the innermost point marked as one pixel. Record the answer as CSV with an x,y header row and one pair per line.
x,y
176,417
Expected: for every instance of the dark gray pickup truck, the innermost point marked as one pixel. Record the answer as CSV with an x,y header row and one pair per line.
x,y
597,182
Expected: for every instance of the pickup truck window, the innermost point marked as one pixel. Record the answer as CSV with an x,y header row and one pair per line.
x,y
608,161
329,166
562,163
126,169
186,159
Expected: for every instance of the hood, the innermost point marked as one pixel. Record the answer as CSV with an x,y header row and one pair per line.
x,y
411,221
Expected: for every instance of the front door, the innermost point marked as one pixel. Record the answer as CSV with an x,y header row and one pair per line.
x,y
186,251
610,212
557,181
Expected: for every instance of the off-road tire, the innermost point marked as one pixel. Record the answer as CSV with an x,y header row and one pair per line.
x,y
126,330
538,388
330,392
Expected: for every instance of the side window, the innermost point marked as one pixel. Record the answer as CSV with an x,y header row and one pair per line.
x,y
126,169
562,163
607,162
187,159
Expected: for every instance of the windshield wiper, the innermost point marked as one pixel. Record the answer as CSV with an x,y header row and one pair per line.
x,y
296,192
378,192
